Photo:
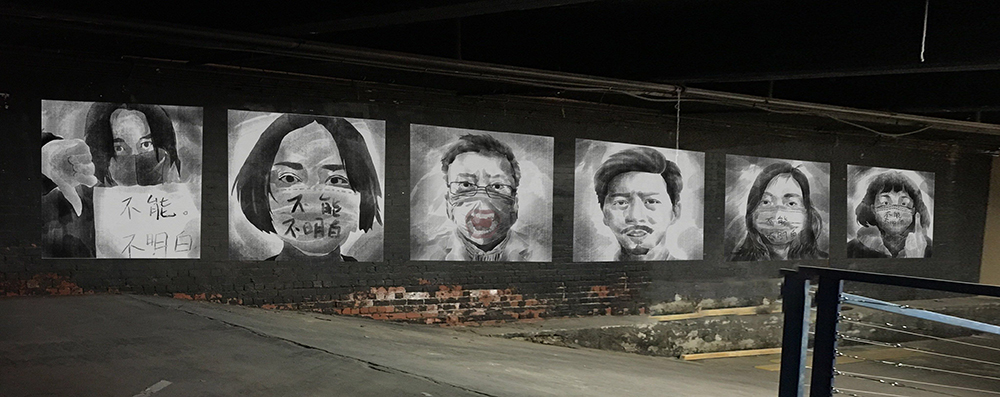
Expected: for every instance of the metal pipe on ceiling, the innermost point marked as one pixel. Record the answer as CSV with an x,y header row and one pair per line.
x,y
211,39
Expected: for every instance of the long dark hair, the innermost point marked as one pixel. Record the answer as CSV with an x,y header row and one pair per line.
x,y
753,247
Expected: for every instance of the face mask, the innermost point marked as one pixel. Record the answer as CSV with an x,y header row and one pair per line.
x,y
780,225
482,219
315,221
143,169
894,218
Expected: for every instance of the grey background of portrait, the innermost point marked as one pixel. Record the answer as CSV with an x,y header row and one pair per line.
x,y
594,242
246,243
742,171
428,217
858,178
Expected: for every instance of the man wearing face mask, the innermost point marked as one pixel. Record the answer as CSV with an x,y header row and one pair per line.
x,y
894,217
482,176
639,194
123,145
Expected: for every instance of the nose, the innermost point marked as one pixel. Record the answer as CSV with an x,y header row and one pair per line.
x,y
636,212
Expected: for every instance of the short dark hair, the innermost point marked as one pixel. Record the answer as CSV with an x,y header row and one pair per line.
x,y
253,185
753,247
101,139
484,144
640,159
891,181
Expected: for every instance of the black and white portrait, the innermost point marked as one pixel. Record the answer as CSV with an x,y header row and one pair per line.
x,y
305,188
480,195
890,213
776,209
121,180
637,203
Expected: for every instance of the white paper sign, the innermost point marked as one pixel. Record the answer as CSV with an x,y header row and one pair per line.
x,y
161,221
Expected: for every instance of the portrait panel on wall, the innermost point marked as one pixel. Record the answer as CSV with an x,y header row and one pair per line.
x,y
637,203
890,213
305,187
480,195
776,209
120,180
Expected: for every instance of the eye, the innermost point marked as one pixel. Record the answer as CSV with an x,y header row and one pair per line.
x,y
619,202
146,145
652,201
289,178
338,180
883,201
119,149
465,184
793,204
766,201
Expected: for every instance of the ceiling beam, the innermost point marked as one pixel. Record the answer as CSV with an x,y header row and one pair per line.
x,y
886,70
406,17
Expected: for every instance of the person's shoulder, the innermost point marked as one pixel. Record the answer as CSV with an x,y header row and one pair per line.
x,y
436,247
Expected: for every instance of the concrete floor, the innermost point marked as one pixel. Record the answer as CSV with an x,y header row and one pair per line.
x,y
122,345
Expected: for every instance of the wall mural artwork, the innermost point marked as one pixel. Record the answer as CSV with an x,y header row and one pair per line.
x,y
479,195
776,209
121,180
890,213
305,188
637,203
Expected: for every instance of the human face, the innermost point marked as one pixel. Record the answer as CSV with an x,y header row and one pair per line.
x,y
894,211
313,206
638,210
482,216
136,161
131,133
780,217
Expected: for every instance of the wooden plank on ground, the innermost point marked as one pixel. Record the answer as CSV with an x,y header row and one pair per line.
x,y
732,311
733,353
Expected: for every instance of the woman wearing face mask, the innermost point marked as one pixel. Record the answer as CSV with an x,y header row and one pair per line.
x,y
894,217
781,222
311,181
123,145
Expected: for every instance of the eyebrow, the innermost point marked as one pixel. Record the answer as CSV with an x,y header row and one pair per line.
x,y
641,194
333,167
294,166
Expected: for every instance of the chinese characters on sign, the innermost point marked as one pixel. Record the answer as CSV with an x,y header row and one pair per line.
x,y
147,222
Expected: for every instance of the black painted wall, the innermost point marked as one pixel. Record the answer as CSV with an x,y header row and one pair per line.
x,y
962,182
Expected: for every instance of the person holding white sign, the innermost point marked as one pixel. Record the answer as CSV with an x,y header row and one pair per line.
x,y
123,145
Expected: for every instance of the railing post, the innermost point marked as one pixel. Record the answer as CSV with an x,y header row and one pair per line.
x,y
795,305
825,342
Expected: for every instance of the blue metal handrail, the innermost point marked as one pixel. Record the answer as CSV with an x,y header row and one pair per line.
x,y
796,307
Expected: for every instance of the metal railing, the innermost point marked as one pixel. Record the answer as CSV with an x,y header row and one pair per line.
x,y
829,296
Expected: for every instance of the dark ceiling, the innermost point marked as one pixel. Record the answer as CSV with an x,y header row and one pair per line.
x,y
861,54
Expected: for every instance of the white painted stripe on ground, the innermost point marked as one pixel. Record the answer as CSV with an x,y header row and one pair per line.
x,y
153,389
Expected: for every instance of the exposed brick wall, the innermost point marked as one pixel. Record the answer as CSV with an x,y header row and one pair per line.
x,y
446,292
451,304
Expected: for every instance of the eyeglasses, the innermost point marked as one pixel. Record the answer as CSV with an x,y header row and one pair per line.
x,y
492,190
